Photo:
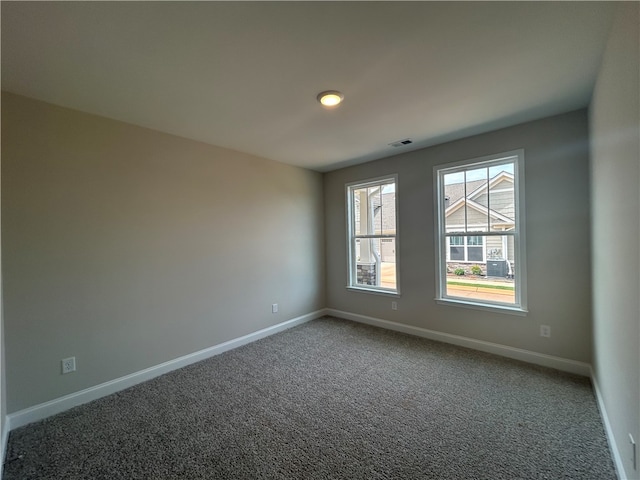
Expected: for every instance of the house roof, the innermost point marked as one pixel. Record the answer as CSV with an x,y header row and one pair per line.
x,y
455,192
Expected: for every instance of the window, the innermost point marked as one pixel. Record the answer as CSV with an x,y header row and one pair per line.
x,y
372,235
480,254
466,249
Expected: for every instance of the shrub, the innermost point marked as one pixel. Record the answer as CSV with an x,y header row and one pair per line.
x,y
476,270
459,271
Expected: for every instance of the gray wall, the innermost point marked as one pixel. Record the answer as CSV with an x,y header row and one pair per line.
x,y
557,221
615,171
3,383
126,247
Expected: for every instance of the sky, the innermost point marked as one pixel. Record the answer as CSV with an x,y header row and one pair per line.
x,y
478,174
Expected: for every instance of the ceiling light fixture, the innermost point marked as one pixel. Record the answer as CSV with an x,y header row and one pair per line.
x,y
330,98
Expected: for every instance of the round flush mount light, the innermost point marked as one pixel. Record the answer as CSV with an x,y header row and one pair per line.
x,y
330,98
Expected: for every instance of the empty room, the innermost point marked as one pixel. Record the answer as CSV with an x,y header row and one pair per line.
x,y
320,240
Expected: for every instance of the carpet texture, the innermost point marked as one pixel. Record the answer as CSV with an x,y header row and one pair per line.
x,y
326,400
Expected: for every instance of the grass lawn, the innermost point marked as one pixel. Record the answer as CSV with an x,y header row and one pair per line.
x,y
469,284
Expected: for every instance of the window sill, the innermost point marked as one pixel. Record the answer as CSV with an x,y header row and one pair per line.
x,y
386,293
483,306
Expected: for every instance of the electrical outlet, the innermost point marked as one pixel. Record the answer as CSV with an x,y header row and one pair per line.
x,y
394,305
274,308
68,365
545,331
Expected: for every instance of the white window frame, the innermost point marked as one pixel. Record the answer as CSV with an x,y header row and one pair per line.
x,y
351,237
518,233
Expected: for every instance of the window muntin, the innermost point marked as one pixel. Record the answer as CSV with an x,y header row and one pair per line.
x,y
479,232
372,235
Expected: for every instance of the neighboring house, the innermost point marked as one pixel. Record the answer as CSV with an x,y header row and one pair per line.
x,y
484,207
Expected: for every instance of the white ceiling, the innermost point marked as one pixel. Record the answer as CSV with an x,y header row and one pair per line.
x,y
245,75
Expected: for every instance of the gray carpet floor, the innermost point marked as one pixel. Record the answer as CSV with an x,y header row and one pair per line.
x,y
330,399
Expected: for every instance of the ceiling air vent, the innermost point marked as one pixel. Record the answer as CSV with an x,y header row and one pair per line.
x,y
401,143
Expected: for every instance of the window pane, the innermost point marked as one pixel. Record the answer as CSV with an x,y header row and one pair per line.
x,y
375,210
453,202
457,240
507,167
474,254
457,253
388,278
366,264
475,240
486,279
502,197
388,210
502,249
376,262
357,199
476,204
495,248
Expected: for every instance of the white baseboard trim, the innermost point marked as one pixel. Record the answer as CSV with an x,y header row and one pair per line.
x,y
563,364
615,453
52,407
